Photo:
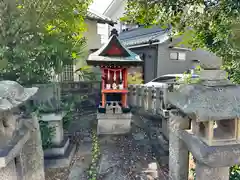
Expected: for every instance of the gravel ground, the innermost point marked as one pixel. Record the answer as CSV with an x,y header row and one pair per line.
x,y
126,158
61,173
133,157
57,174
122,158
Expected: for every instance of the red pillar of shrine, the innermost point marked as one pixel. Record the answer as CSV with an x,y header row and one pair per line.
x,y
114,81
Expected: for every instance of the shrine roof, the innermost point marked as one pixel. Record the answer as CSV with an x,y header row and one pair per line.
x,y
114,53
208,103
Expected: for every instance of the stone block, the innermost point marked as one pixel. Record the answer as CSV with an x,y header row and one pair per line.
x,y
165,127
114,123
10,151
61,161
204,172
178,152
55,120
213,156
31,158
114,116
57,149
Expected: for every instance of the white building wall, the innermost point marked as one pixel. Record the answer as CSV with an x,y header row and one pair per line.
x,y
93,38
103,32
115,13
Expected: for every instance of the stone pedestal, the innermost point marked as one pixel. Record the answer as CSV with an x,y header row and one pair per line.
x,y
31,157
204,172
110,123
165,127
61,152
145,98
139,96
213,162
178,152
55,121
133,100
152,100
130,95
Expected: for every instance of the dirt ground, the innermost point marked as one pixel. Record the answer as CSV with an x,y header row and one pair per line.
x,y
57,174
63,173
127,150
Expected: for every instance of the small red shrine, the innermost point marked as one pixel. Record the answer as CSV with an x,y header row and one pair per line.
x,y
114,59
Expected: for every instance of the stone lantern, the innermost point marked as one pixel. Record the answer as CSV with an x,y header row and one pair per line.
x,y
21,154
217,133
213,108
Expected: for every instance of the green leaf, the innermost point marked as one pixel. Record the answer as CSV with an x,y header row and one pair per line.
x,y
3,63
36,38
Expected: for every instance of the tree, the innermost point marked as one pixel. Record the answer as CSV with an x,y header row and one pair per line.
x,y
38,37
210,24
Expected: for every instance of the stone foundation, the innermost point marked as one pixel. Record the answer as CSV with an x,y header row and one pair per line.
x,y
60,161
61,152
110,123
205,172
31,157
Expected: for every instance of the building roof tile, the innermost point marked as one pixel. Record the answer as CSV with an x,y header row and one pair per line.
x,y
93,15
143,35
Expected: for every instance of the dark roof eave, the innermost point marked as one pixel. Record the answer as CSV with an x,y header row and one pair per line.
x,y
179,48
118,63
102,21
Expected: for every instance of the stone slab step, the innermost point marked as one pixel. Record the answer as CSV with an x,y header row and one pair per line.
x,y
57,150
61,161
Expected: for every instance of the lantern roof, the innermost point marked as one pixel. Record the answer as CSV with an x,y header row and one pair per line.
x,y
214,98
114,53
13,94
208,103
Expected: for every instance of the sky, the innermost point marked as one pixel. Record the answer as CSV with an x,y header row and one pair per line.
x,y
100,5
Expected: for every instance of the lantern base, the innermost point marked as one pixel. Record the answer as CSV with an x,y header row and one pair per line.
x,y
110,123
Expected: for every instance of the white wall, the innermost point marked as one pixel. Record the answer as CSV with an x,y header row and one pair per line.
x,y
115,14
103,32
93,38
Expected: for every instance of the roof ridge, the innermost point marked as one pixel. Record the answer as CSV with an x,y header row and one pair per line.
x,y
92,14
157,34
147,33
109,6
98,14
